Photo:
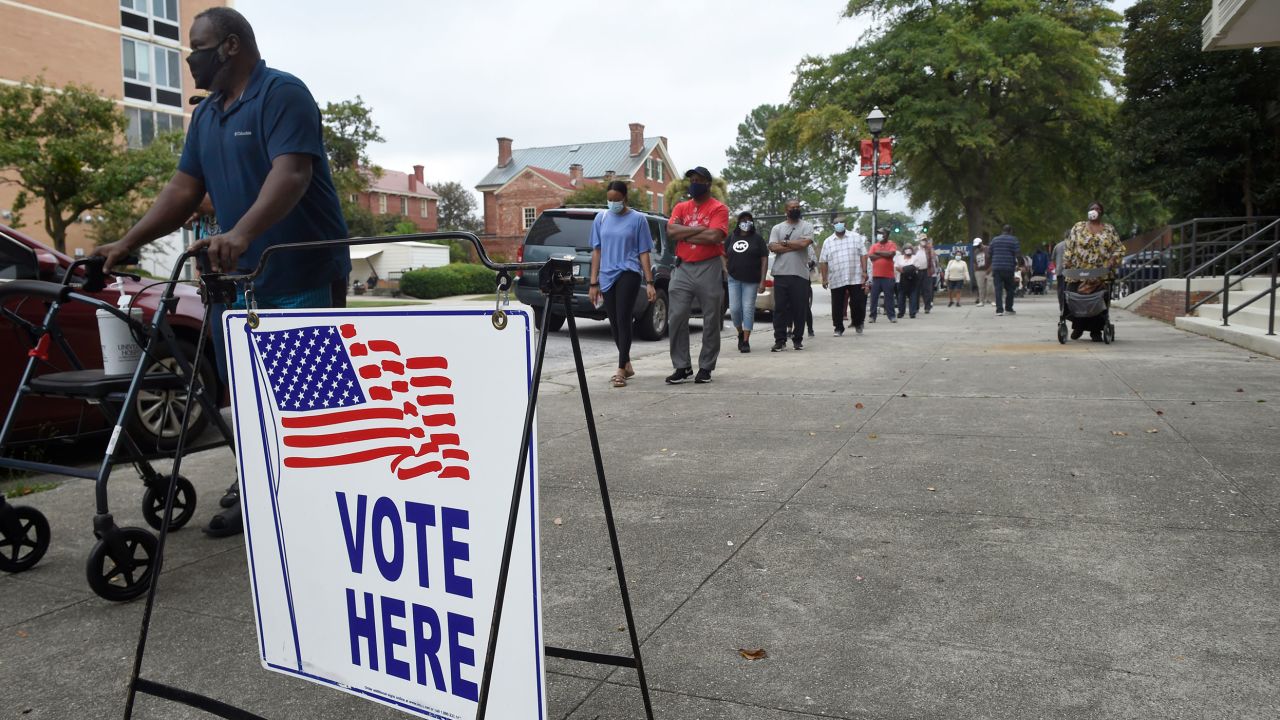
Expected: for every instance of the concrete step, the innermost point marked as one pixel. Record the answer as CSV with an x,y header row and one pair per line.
x,y
1245,336
1256,315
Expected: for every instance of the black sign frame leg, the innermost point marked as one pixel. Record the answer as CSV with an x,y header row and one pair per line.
x,y
557,281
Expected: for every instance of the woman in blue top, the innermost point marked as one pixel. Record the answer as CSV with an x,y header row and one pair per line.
x,y
620,247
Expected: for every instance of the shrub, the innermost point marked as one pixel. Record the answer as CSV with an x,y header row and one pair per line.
x,y
455,279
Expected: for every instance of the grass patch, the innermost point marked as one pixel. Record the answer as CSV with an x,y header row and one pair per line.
x,y
17,489
381,303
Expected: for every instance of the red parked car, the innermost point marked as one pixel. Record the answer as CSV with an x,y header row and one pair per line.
x,y
23,258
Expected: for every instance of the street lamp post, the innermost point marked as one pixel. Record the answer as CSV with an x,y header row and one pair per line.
x,y
875,123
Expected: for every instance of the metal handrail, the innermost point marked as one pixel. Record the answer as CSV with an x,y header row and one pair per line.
x,y
1270,253
1182,251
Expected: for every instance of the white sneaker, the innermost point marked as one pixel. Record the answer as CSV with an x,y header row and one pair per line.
x,y
837,333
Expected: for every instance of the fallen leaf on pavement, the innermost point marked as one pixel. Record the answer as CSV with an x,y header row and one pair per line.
x,y
1119,433
1153,430
932,489
622,628
872,436
558,521
857,406
858,578
1239,389
22,633
757,654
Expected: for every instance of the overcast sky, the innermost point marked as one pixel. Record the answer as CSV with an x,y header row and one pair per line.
x,y
445,79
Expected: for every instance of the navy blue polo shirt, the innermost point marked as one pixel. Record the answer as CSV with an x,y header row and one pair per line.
x,y
231,152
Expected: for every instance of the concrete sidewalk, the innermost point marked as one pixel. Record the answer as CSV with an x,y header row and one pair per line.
x,y
950,517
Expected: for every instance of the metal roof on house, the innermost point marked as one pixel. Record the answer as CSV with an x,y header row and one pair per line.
x,y
595,158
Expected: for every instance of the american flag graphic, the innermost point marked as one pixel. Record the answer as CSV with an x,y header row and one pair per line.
x,y
344,400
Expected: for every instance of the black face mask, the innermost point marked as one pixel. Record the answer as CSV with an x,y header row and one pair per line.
x,y
794,214
205,64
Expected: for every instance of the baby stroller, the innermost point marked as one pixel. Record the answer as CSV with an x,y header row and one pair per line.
x,y
121,563
1038,284
1089,312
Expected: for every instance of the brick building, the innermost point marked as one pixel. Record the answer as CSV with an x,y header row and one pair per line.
x,y
527,181
407,194
132,51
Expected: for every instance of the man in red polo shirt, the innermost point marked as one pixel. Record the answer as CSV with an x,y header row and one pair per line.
x,y
698,226
881,255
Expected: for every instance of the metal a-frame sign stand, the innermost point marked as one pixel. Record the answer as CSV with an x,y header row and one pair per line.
x,y
556,281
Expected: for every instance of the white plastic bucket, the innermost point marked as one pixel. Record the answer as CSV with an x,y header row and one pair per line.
x,y
120,352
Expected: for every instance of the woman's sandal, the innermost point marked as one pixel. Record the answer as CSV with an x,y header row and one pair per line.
x,y
618,380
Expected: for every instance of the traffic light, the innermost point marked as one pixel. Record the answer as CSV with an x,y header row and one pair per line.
x,y
924,229
897,228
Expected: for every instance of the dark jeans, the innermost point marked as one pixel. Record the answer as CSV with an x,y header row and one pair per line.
x,y
909,290
808,309
853,297
790,300
926,291
1004,289
878,286
620,306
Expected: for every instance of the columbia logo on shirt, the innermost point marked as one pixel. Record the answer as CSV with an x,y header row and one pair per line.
x,y
243,132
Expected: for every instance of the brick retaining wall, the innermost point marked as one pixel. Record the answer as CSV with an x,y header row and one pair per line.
x,y
1165,305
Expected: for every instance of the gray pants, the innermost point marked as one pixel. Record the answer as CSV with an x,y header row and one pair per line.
x,y
983,282
701,280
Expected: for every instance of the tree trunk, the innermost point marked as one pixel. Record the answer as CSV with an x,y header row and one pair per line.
x,y
974,218
56,228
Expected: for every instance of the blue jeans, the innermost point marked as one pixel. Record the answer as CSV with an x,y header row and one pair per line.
x,y
878,286
742,303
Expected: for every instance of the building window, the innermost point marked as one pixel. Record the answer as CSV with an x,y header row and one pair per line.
x,y
157,17
422,204
658,170
152,73
404,206
382,203
662,208
351,198
648,168
146,125
530,214
653,202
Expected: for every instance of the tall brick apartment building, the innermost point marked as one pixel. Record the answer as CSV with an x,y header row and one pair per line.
x,y
407,194
132,51
527,181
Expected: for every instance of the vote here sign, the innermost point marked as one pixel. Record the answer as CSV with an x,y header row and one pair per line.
x,y
376,453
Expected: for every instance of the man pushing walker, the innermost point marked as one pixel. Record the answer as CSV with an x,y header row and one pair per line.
x,y
255,147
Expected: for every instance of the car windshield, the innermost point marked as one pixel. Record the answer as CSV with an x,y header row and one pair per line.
x,y
563,230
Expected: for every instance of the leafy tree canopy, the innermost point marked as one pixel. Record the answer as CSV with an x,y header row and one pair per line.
x,y
349,128
678,192
66,148
593,194
762,180
1000,108
457,208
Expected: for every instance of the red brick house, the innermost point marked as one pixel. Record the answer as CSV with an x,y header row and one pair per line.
x,y
407,194
527,181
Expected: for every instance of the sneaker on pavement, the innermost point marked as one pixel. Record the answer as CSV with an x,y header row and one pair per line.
x,y
857,329
679,376
893,319
873,318
704,376
746,346
778,347
797,345
837,333
999,313
1011,312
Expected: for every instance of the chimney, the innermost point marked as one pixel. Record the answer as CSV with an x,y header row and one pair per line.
x,y
637,139
575,174
609,175
417,172
504,151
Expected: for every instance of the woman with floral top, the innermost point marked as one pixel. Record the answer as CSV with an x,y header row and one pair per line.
x,y
1091,244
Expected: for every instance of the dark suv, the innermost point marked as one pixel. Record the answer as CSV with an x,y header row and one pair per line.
x,y
567,231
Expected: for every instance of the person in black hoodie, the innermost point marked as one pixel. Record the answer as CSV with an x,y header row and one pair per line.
x,y
747,261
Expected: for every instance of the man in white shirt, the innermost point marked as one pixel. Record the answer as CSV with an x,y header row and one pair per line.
x,y
843,266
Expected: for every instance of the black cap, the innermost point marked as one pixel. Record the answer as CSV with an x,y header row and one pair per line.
x,y
700,171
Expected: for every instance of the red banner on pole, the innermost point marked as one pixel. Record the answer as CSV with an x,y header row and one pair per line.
x,y
886,157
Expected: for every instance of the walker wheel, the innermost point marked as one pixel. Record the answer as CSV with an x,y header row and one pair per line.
x,y
1062,334
123,577
1109,334
184,502
24,538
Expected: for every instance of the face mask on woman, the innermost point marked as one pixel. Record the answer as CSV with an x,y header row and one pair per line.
x,y
616,206
1093,214
745,226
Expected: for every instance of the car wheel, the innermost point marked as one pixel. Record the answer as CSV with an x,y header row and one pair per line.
x,y
157,414
652,323
553,324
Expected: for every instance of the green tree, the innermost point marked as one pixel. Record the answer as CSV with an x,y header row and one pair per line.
x,y
762,180
1194,124
349,128
889,220
592,194
999,108
457,208
66,148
